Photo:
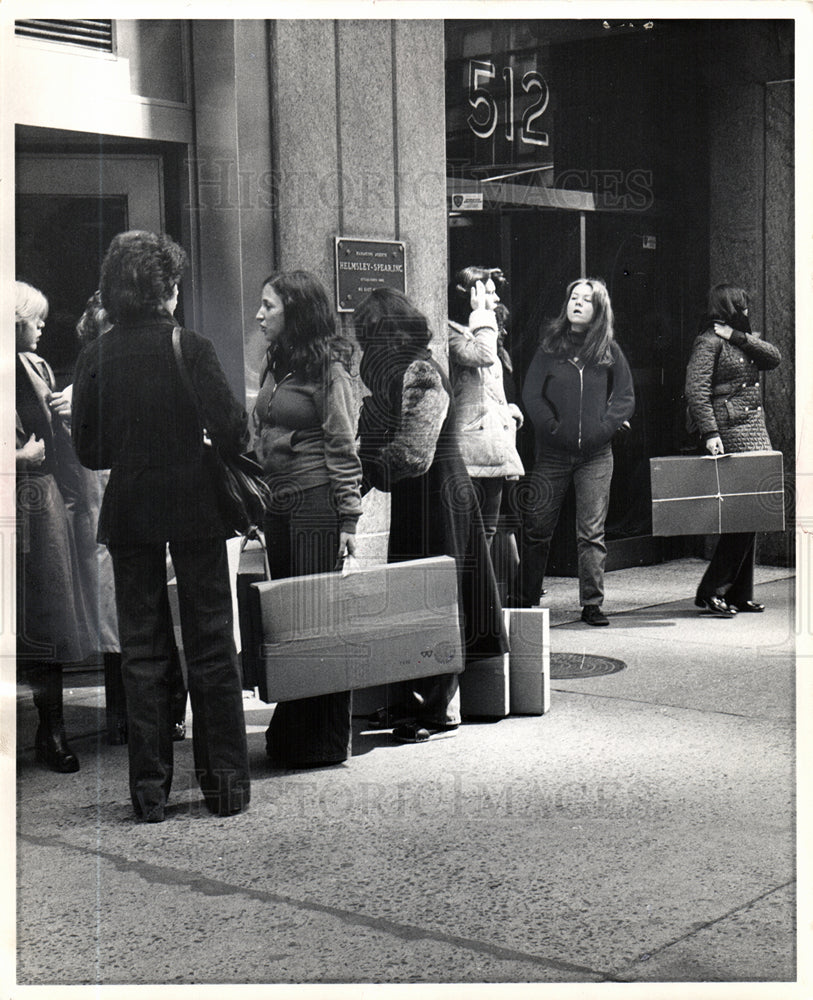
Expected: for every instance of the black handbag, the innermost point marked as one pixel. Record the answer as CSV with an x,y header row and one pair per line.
x,y
243,496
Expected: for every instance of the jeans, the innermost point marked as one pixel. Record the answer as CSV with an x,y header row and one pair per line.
x,y
215,687
542,499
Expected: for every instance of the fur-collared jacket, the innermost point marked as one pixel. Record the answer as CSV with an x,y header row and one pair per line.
x,y
486,422
724,390
408,447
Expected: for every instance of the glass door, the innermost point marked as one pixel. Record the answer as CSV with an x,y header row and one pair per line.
x,y
68,208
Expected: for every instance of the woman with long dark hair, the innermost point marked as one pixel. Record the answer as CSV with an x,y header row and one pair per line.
x,y
305,430
409,449
578,394
133,415
724,398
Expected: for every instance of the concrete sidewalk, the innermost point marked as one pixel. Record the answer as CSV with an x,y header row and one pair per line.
x,y
642,831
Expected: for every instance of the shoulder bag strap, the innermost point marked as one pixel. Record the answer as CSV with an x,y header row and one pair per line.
x,y
183,371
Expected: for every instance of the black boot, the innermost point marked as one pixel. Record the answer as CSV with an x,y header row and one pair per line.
x,y
51,743
115,701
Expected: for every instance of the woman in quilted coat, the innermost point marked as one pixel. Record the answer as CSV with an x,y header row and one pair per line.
x,y
724,397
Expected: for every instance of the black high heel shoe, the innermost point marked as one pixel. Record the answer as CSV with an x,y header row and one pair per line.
x,y
749,607
717,605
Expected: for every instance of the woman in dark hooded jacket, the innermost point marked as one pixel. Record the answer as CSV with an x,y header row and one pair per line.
x,y
577,394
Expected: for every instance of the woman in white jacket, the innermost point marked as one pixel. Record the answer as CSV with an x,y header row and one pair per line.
x,y
486,422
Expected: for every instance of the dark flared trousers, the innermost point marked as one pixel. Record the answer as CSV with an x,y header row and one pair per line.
x,y
302,537
215,687
730,573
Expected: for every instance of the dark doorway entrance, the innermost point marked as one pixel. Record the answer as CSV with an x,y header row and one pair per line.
x,y
68,208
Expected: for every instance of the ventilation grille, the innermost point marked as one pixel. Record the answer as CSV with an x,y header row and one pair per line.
x,y
96,35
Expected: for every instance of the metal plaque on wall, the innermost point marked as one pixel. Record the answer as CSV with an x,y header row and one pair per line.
x,y
363,265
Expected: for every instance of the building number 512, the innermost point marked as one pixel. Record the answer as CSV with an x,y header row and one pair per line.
x,y
485,113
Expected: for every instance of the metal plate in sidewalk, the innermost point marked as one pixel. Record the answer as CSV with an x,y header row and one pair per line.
x,y
570,666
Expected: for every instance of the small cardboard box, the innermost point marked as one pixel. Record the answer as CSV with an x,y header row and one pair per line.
x,y
379,624
529,660
484,688
708,495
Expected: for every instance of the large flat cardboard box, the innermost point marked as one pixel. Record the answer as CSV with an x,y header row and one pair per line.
x,y
529,660
379,624
707,495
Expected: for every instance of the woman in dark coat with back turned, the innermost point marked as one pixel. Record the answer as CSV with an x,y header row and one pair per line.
x,y
409,448
724,397
133,415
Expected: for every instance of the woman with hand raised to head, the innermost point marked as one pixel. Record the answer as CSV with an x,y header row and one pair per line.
x,y
724,398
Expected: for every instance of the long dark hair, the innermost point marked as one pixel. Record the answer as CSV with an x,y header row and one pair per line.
x,y
598,337
392,333
139,273
309,341
727,304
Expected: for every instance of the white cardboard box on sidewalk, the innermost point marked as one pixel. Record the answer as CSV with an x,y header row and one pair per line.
x,y
529,659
